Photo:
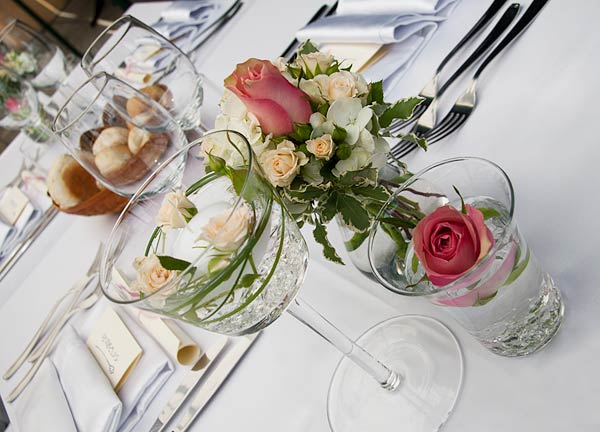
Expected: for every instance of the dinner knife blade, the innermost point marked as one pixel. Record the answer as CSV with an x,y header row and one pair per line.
x,y
214,381
187,384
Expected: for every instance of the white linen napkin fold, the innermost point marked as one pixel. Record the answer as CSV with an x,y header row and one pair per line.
x,y
391,7
405,26
94,404
184,22
42,406
147,377
382,29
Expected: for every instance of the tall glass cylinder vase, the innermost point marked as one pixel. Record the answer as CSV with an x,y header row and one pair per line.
x,y
467,255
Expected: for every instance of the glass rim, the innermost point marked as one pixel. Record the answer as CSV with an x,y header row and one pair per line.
x,y
106,77
135,199
87,59
484,261
17,23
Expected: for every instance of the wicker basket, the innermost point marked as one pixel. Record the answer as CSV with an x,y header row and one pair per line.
x,y
103,202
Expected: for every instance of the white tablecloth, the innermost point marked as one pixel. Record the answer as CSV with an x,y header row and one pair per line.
x,y
536,118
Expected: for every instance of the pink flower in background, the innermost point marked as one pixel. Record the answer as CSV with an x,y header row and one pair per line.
x,y
12,104
449,243
268,95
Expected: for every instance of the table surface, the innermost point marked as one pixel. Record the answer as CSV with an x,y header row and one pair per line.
x,y
535,118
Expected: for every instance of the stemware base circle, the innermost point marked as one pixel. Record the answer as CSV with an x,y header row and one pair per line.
x,y
427,356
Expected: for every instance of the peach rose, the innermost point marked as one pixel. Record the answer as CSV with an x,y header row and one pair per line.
x,y
322,147
227,230
151,275
282,164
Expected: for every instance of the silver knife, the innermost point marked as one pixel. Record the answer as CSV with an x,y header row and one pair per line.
x,y
187,385
214,381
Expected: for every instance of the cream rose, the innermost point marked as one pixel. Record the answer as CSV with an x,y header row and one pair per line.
x,y
309,62
227,230
151,275
338,85
282,164
175,211
322,147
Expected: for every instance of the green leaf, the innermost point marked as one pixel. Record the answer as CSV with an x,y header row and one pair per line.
x,y
238,178
320,234
488,212
402,109
518,269
171,263
411,137
329,209
484,301
307,48
301,132
356,241
353,212
247,280
397,222
463,208
377,193
375,93
415,263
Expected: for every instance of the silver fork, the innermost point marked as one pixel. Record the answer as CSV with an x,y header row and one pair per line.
x,y
75,290
430,91
465,104
427,120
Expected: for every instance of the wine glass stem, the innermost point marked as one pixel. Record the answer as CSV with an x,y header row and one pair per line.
x,y
387,378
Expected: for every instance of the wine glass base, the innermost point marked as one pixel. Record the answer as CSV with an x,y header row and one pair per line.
x,y
429,359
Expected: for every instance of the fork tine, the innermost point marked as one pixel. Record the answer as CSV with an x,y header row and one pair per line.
x,y
454,122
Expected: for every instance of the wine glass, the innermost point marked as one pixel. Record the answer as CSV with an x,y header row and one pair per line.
x,y
20,108
120,135
139,55
219,250
33,58
503,298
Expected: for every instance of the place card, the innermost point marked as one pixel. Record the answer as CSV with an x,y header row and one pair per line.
x,y
12,204
114,347
359,55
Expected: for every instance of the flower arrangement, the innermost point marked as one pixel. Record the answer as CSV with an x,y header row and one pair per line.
x,y
20,63
319,131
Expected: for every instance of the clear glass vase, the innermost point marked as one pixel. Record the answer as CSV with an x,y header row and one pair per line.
x,y
504,298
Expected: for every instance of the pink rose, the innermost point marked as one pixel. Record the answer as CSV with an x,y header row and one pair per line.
x,y
12,104
449,243
275,102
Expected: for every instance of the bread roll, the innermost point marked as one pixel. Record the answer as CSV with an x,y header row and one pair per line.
x,y
110,137
157,92
69,183
110,161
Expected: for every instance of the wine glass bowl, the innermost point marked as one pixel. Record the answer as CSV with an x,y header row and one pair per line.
x,y
33,58
120,135
240,257
142,57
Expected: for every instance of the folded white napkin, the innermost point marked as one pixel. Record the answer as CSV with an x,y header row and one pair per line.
x,y
406,25
94,404
184,22
391,7
42,406
147,377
